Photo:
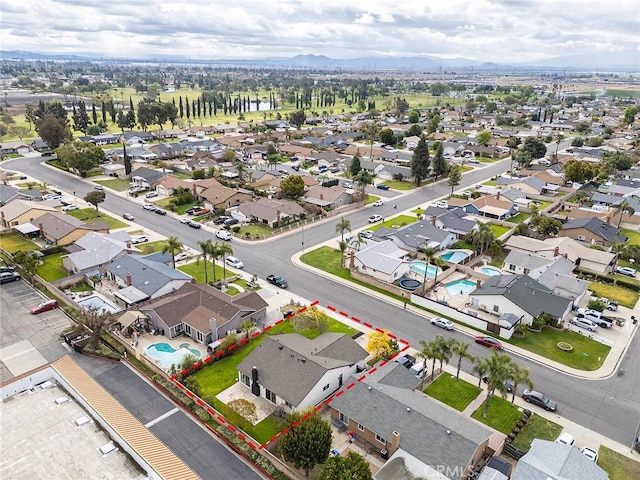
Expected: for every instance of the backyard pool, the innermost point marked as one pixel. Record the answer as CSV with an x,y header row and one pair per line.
x,y
98,304
418,267
166,355
491,271
454,256
459,287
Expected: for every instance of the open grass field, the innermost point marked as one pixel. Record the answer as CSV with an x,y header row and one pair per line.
x,y
116,184
498,230
89,215
457,394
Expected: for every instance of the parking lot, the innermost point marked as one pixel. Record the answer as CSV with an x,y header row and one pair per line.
x,y
27,341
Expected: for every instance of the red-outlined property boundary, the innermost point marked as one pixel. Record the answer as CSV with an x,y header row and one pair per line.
x,y
403,344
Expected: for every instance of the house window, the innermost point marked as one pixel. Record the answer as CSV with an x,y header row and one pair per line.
x,y
380,439
361,427
245,379
326,387
187,329
512,267
343,418
269,395
200,337
496,308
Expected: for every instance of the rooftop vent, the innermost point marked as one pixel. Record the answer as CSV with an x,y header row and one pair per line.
x,y
83,420
108,448
61,400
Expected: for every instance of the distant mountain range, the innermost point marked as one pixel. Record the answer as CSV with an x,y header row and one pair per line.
x,y
604,61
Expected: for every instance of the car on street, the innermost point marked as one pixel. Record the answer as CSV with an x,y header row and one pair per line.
x,y
366,234
6,277
347,185
508,384
160,211
181,256
234,262
566,439
488,342
149,206
378,203
442,323
150,194
68,208
628,271
277,280
375,218
584,323
193,224
185,220
406,361
590,453
382,186
128,216
44,306
223,234
139,239
540,399
98,187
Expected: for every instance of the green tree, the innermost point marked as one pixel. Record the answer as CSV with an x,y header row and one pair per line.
x,y
420,161
578,171
535,147
519,376
547,226
344,225
223,250
484,137
127,160
80,117
621,208
582,128
27,262
298,118
95,197
386,136
498,369
354,167
455,177
370,130
630,114
308,443
19,131
172,246
342,245
429,253
480,368
461,349
80,156
95,320
428,352
445,349
52,130
481,238
292,187
363,179
415,130
351,467
205,248
414,116
439,166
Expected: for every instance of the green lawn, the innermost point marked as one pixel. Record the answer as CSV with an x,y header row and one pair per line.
x,y
395,222
151,247
398,185
196,270
634,237
545,344
618,466
625,297
498,230
89,215
328,260
536,427
502,416
117,184
13,242
519,218
457,394
52,268
255,230
490,183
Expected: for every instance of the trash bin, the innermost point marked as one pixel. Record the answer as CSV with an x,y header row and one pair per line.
x,y
634,319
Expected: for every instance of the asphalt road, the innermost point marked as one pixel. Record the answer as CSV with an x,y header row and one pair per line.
x,y
610,407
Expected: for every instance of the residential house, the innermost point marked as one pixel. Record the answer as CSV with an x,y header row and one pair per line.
x,y
169,184
421,234
95,250
141,278
327,197
492,207
550,178
292,150
165,151
527,185
162,134
146,177
17,147
623,187
547,460
132,137
18,212
455,220
295,372
203,312
395,172
381,260
219,196
60,229
417,433
519,295
586,258
268,211
592,230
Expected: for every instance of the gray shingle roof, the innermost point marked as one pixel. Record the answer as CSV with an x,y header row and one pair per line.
x,y
526,260
146,275
598,227
415,234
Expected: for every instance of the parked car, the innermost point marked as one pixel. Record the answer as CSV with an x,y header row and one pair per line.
x,y
612,305
489,342
508,384
6,277
234,262
193,224
220,220
44,306
150,194
540,399
584,323
193,209
181,256
382,186
223,234
636,444
418,369
277,280
139,239
442,323
68,208
98,187
7,268
347,185
628,271
378,203
149,206
375,218
442,204
160,211
596,317
406,361
566,439
185,221
231,221
590,453
202,211
366,234
52,196
128,216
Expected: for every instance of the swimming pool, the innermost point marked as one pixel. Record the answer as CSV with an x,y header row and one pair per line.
x,y
98,304
454,256
418,267
166,355
460,286
492,272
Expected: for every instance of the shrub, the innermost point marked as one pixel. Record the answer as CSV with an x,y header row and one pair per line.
x,y
596,305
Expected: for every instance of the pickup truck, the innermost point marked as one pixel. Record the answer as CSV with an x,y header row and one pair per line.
x,y
277,280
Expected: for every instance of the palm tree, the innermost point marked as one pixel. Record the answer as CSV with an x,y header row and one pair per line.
x,y
363,178
461,349
342,226
358,241
622,207
214,254
429,253
205,248
498,370
429,351
223,250
371,129
480,367
445,350
482,238
558,138
343,248
172,246
240,168
519,375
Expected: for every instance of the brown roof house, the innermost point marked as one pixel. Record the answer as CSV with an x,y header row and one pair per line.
x,y
492,207
224,197
268,212
295,372
18,212
327,197
61,229
204,313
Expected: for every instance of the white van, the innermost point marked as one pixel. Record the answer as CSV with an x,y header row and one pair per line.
x,y
418,369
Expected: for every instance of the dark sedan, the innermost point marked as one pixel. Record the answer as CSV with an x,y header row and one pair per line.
x,y
540,399
489,342
277,280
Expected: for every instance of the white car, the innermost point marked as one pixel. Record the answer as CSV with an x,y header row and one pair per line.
x,y
223,234
584,323
149,206
366,234
566,439
234,262
442,323
628,271
590,453
68,208
98,187
442,204
151,194
378,203
139,239
466,193
181,256
544,161
375,218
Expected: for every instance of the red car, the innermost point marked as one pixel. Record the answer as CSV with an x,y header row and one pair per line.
x,y
488,342
45,306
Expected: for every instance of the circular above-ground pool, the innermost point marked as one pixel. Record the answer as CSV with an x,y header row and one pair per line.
x,y
409,283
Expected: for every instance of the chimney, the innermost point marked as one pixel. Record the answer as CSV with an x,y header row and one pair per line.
x,y
255,386
608,219
478,283
556,251
433,221
395,443
498,195
128,247
128,279
41,230
321,196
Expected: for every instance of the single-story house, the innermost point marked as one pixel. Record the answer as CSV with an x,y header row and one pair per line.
x,y
18,212
95,250
418,235
327,197
268,211
382,260
592,230
219,196
60,229
455,220
295,372
492,207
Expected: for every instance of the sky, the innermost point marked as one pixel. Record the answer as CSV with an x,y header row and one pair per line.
x,y
503,31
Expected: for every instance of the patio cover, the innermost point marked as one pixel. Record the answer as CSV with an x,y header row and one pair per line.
x,y
127,318
131,295
26,228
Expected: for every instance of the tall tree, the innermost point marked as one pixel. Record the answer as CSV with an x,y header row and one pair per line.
x,y
205,248
94,114
95,197
519,376
80,156
52,130
482,238
351,467
292,187
455,177
420,161
461,349
621,208
306,444
498,370
224,249
298,118
363,179
429,253
354,167
172,246
484,137
439,166
428,352
344,225
80,117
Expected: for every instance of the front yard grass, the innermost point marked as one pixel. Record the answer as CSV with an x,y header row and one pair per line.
x,y
634,237
519,218
545,344
398,221
52,268
369,199
117,184
151,247
618,466
457,394
536,427
501,416
196,270
498,230
89,215
13,242
255,230
399,185
625,297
